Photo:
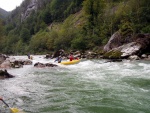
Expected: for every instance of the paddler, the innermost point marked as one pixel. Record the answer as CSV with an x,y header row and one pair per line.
x,y
59,59
71,57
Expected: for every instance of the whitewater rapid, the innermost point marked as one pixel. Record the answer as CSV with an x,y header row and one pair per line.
x,y
91,86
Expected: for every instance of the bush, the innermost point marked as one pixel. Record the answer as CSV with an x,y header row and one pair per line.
x,y
114,54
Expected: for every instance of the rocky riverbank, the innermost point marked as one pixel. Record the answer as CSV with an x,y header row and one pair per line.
x,y
6,63
120,46
132,47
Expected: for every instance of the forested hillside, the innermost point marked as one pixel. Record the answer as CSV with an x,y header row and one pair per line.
x,y
41,26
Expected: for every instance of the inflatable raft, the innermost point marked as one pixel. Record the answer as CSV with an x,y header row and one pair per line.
x,y
70,62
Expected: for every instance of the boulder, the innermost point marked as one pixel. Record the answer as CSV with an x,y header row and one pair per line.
x,y
5,74
130,49
144,41
6,64
50,65
123,51
114,42
48,56
3,58
134,57
38,64
138,45
20,62
17,64
27,62
13,63
41,65
148,57
91,55
144,56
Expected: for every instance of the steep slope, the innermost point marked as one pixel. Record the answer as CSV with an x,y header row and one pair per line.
x,y
37,14
38,26
33,16
3,13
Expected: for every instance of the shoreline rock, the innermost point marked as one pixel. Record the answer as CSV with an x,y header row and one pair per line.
x,y
42,65
137,46
7,63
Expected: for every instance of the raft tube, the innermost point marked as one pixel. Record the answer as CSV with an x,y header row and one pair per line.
x,y
70,62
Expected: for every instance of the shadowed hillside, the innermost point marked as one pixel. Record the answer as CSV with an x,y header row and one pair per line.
x,y
3,13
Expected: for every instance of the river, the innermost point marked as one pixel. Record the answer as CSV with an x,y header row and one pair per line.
x,y
91,86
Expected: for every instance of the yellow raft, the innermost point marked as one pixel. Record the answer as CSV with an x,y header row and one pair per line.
x,y
70,62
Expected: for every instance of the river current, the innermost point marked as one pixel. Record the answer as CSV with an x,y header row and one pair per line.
x,y
91,86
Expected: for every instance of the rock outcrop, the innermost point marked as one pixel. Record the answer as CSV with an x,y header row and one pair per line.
x,y
32,6
114,42
124,48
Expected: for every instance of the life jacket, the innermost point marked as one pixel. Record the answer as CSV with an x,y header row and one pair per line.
x,y
71,57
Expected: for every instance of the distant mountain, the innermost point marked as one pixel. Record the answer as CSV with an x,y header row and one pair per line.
x,y
3,13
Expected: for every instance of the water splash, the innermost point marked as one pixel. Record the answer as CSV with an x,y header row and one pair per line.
x,y
91,86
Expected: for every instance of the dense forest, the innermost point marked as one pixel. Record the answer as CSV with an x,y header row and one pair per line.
x,y
70,24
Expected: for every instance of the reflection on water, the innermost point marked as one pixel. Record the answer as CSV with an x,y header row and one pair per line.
x,y
92,86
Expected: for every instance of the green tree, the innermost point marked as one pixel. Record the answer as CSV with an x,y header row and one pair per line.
x,y
25,35
1,28
46,16
20,47
50,42
2,38
39,42
79,43
94,12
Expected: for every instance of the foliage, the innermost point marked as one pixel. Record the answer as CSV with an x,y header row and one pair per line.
x,y
1,27
71,24
94,11
1,35
38,43
79,43
114,54
25,35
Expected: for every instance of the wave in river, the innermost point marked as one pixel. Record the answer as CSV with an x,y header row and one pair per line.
x,y
91,86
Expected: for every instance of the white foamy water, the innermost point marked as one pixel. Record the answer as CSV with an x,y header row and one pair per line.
x,y
91,86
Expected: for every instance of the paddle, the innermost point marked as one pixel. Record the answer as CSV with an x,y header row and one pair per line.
x,y
13,110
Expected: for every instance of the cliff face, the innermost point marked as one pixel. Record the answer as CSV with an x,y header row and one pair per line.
x,y
33,5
